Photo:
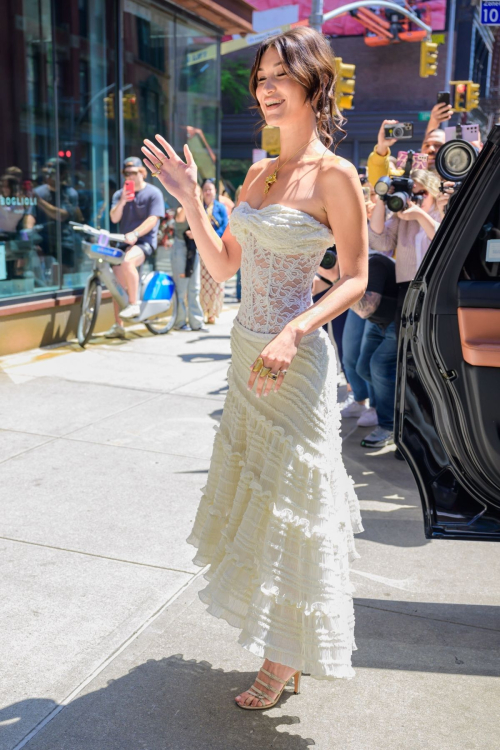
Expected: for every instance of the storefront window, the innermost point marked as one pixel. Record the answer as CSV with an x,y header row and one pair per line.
x,y
27,144
197,96
56,153
60,147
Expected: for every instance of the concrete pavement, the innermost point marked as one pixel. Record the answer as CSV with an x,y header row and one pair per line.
x,y
105,644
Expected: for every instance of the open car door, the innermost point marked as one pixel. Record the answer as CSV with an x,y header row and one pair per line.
x,y
447,422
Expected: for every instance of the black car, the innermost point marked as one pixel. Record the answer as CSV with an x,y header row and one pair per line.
x,y
447,422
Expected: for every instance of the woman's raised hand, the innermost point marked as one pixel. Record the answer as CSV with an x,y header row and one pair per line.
x,y
179,178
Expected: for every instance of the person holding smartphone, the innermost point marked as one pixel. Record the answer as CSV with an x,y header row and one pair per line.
x,y
137,208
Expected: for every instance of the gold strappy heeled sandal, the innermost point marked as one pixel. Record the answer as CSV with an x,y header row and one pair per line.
x,y
261,696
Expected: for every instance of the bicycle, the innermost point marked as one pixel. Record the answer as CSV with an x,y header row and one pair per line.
x,y
158,296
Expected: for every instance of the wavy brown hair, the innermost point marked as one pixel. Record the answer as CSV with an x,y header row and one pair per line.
x,y
308,59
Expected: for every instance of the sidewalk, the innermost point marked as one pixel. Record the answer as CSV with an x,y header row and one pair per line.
x,y
105,644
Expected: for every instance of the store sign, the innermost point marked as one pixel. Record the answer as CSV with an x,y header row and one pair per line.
x,y
490,12
17,201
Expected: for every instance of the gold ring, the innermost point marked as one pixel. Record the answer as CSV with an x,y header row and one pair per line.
x,y
258,365
159,165
274,375
264,372
155,174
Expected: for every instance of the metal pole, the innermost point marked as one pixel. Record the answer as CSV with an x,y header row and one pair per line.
x,y
316,17
448,76
379,4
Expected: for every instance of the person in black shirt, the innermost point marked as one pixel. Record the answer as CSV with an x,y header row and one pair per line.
x,y
378,356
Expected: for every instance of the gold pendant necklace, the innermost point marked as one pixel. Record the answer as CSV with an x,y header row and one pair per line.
x,y
274,176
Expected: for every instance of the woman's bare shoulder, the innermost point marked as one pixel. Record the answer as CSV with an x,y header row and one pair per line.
x,y
337,168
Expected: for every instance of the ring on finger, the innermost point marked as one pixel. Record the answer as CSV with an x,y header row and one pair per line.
x,y
155,174
264,372
274,375
258,365
159,165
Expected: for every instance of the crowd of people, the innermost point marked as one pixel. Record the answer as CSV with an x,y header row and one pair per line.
x,y
367,335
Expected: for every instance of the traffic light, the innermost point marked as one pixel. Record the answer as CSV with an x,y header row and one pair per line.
x,y
460,103
472,98
346,80
129,106
428,59
109,107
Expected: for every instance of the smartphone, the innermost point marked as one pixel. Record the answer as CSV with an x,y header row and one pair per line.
x,y
443,97
470,132
419,160
129,188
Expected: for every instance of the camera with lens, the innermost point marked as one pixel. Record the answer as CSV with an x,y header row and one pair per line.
x,y
329,258
457,156
397,192
401,130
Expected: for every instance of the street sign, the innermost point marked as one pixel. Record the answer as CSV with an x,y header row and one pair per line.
x,y
490,12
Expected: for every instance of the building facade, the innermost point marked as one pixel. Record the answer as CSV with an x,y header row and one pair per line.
x,y
83,82
388,85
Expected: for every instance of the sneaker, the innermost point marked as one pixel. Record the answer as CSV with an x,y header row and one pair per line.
x,y
183,327
368,418
116,332
131,311
351,408
379,438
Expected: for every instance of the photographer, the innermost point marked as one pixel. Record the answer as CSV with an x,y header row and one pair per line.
x,y
379,162
408,233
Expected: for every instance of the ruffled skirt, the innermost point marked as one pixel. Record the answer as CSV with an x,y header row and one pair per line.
x,y
278,513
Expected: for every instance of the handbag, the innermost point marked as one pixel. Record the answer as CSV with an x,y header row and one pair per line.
x,y
190,255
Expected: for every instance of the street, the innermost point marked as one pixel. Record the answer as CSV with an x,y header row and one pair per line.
x,y
105,643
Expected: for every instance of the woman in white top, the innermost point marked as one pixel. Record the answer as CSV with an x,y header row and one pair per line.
x,y
277,516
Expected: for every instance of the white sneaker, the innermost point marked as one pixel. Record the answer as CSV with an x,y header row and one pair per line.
x,y
131,311
368,418
116,332
351,408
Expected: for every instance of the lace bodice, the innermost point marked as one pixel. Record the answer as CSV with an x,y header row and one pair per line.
x,y
282,248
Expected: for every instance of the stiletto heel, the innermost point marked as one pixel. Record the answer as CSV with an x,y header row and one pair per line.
x,y
296,679
261,696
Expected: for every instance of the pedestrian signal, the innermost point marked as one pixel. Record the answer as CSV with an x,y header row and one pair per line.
x,y
428,59
345,83
473,93
109,107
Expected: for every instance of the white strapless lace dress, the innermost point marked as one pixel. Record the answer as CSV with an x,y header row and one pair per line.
x,y
278,513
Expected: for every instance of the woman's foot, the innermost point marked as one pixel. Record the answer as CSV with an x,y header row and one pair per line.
x,y
211,319
280,670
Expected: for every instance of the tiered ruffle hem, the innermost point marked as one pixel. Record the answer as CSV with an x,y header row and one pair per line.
x,y
278,513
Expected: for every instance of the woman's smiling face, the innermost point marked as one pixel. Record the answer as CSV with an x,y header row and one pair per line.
x,y
279,96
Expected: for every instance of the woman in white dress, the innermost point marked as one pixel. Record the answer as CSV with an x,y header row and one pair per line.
x,y
277,516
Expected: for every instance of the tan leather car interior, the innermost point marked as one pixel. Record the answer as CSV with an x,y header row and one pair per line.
x,y
480,335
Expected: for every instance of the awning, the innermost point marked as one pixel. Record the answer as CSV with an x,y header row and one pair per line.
x,y
233,16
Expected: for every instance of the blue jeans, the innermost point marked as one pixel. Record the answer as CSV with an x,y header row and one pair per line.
x,y
377,364
189,286
352,336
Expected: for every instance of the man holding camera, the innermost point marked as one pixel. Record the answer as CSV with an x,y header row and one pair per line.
x,y
137,208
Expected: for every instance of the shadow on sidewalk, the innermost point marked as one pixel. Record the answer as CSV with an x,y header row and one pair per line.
x,y
170,704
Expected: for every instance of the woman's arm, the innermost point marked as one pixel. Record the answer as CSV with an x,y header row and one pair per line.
x,y
415,213
345,208
222,256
